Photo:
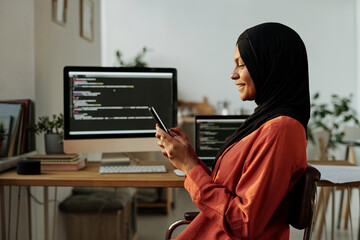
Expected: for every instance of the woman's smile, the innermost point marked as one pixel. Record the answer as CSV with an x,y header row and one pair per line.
x,y
241,86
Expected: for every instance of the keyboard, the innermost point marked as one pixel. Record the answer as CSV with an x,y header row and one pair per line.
x,y
133,169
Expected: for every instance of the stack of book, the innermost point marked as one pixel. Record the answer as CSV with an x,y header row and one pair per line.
x,y
60,162
18,116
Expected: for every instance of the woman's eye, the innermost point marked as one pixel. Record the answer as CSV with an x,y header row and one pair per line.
x,y
241,65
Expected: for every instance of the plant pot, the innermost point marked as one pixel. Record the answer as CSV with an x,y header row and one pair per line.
x,y
54,143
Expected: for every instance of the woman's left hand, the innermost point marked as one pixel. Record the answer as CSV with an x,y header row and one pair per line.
x,y
177,148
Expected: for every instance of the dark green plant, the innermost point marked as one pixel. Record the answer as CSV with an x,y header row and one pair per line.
x,y
2,131
137,62
46,124
332,116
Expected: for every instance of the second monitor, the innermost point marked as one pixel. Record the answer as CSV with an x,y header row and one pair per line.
x,y
211,132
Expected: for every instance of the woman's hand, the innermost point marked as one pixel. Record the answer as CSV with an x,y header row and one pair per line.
x,y
177,148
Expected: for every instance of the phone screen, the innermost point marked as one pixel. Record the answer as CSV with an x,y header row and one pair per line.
x,y
157,119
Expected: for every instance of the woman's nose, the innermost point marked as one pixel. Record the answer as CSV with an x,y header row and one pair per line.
x,y
234,75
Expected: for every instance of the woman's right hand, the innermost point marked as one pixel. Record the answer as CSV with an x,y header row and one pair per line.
x,y
177,148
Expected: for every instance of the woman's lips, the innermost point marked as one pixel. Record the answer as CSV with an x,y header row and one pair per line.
x,y
241,86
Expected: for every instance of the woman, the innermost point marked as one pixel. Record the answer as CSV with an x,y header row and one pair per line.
x,y
244,197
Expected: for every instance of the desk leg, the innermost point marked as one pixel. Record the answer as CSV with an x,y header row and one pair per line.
x,y
347,209
349,212
168,200
29,210
46,213
55,207
333,214
3,214
9,217
359,215
18,213
323,203
340,209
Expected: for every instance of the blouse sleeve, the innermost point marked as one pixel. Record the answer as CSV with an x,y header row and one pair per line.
x,y
263,184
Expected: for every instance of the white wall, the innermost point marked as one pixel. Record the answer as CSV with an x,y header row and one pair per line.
x,y
57,46
17,72
357,62
198,38
33,52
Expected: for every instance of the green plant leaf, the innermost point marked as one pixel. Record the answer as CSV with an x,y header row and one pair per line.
x,y
333,116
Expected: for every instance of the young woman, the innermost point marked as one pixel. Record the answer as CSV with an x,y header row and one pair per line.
x,y
245,196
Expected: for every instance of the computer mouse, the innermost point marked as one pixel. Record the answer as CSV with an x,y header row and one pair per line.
x,y
179,172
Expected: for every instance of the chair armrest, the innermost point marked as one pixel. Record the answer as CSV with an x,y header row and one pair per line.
x,y
189,216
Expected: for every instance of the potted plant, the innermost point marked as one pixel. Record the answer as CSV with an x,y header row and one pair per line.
x,y
53,132
137,62
2,133
332,117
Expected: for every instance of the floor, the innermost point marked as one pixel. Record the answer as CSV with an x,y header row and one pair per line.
x,y
152,224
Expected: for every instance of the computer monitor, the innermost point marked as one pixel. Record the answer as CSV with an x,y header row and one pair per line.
x,y
106,108
211,132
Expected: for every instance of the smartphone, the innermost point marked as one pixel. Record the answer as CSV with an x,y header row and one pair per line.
x,y
158,119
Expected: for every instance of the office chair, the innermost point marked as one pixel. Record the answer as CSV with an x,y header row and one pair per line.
x,y
302,207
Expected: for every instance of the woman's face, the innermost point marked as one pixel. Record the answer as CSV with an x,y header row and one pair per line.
x,y
242,78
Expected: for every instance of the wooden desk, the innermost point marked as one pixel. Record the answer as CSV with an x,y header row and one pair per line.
x,y
88,177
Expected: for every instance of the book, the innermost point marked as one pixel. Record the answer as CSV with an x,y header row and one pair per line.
x,y
27,137
78,164
55,157
31,136
19,137
7,120
15,110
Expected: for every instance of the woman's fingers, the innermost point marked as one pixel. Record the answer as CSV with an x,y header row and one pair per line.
x,y
164,153
180,132
180,136
165,140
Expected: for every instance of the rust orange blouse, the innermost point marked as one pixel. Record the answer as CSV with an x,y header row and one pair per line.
x,y
244,197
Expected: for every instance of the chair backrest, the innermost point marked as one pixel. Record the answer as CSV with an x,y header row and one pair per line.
x,y
304,201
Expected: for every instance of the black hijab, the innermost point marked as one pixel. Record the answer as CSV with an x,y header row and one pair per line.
x,y
277,62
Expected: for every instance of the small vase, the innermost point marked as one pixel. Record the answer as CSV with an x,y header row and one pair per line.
x,y
54,143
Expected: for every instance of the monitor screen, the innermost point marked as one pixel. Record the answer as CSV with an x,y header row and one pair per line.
x,y
211,132
106,109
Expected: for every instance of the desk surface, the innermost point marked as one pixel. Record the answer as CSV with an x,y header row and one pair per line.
x,y
340,163
91,178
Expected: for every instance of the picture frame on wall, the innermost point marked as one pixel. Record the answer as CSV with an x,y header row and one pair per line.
x,y
59,11
86,19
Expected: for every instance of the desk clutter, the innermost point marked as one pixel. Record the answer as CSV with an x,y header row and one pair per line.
x,y
59,162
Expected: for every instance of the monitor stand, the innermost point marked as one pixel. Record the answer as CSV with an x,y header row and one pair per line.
x,y
115,159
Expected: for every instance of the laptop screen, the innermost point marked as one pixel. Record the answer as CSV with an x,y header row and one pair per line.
x,y
211,132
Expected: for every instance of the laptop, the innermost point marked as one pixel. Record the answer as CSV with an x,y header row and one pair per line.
x,y
211,132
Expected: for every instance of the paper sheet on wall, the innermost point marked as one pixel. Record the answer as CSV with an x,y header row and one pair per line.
x,y
87,19
60,11
339,174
